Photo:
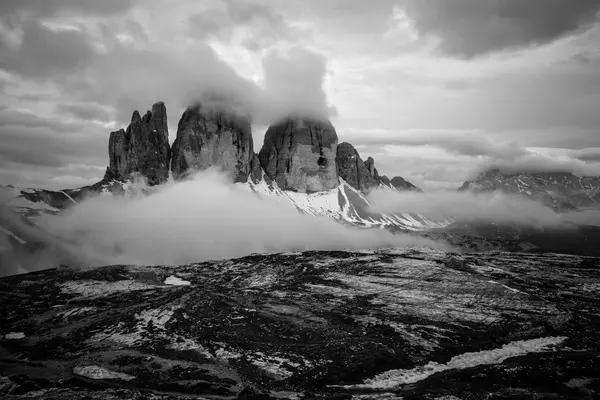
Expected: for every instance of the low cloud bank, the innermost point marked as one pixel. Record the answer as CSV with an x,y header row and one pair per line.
x,y
535,163
202,219
494,207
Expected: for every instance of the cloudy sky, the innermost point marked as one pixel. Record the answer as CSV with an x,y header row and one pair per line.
x,y
434,90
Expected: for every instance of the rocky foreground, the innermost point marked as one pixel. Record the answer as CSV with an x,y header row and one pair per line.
x,y
396,323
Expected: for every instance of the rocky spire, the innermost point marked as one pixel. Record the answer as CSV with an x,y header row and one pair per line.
x,y
214,137
353,170
141,149
299,154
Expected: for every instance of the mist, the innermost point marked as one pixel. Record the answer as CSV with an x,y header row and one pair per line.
x,y
494,207
203,218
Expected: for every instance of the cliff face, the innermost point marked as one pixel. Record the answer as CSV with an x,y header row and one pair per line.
x,y
213,138
299,154
353,170
141,149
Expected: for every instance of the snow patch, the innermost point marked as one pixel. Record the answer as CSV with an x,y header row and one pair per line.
x,y
96,372
103,288
14,335
393,379
175,281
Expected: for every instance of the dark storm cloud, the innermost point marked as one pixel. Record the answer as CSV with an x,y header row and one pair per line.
x,y
91,112
45,53
43,8
469,28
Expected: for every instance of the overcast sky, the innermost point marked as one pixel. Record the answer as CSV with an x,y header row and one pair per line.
x,y
432,89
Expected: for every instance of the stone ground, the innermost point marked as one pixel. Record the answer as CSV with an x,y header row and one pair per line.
x,y
411,324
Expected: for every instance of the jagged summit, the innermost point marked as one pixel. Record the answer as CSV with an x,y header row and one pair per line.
x,y
299,154
213,137
141,149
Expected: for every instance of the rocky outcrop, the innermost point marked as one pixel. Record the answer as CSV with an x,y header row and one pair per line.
x,y
353,170
384,180
213,138
141,149
370,164
401,184
299,154
255,169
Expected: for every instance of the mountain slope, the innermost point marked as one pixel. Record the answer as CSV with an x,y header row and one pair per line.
x,y
562,191
344,204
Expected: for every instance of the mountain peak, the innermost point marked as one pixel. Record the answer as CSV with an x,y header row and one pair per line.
x,y
141,149
299,154
213,137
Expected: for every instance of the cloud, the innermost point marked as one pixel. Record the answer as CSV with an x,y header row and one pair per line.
x,y
30,140
128,76
46,8
208,219
471,28
496,207
46,53
533,163
87,112
443,154
589,154
259,24
293,82
455,142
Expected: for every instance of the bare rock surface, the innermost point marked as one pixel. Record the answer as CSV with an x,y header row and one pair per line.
x,y
143,149
299,154
412,324
209,137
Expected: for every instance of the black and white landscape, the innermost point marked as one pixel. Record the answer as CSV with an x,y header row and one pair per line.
x,y
299,200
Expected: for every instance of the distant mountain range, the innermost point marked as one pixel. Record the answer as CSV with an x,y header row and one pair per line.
x,y
563,191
